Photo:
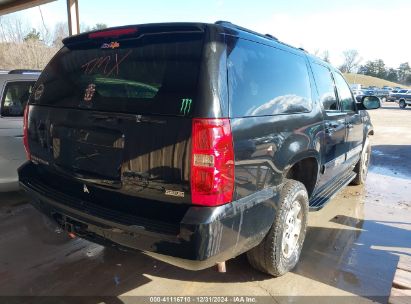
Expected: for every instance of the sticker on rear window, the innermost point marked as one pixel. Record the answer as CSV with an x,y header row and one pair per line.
x,y
89,93
111,45
185,106
105,65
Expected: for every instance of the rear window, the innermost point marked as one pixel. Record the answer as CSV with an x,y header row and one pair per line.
x,y
154,74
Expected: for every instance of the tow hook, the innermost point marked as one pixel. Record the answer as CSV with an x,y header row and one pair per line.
x,y
69,227
221,267
72,235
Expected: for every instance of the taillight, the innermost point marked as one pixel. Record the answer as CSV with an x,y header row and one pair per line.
x,y
113,33
212,162
25,131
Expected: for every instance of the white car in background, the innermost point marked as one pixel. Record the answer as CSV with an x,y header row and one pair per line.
x,y
16,87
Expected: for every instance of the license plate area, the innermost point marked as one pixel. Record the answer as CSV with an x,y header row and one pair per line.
x,y
93,152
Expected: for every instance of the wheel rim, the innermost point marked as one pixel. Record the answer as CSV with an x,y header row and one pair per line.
x,y
292,229
402,104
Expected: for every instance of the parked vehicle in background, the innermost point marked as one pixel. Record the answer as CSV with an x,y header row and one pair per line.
x,y
382,94
404,99
364,92
16,87
398,95
356,87
357,94
391,96
202,142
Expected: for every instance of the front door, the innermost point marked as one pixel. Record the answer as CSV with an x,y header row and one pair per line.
x,y
334,138
354,125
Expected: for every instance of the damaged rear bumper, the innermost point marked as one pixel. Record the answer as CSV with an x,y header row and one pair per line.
x,y
204,236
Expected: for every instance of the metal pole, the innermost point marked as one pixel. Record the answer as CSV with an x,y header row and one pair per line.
x,y
73,17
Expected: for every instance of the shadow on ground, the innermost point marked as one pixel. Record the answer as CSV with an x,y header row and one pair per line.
x,y
344,250
39,261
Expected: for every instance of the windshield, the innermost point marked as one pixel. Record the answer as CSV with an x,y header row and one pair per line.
x,y
155,74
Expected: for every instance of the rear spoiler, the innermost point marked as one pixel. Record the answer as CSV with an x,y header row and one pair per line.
x,y
134,31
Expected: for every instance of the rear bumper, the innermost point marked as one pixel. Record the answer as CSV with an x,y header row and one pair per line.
x,y
204,236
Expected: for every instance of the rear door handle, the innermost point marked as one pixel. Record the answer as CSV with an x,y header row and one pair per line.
x,y
330,128
331,125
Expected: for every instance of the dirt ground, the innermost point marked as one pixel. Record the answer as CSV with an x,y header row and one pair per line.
x,y
352,245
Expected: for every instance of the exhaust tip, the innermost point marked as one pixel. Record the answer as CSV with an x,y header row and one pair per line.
x,y
72,235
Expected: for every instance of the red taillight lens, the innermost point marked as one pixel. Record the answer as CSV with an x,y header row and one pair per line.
x,y
212,163
112,33
25,131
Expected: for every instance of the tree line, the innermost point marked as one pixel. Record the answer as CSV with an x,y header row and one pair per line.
x,y
23,47
375,68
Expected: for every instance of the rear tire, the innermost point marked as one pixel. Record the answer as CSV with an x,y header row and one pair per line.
x,y
361,168
280,250
402,104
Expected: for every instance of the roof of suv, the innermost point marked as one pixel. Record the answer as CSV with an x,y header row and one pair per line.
x,y
24,76
224,27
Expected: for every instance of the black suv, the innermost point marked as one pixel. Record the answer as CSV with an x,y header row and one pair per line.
x,y
192,142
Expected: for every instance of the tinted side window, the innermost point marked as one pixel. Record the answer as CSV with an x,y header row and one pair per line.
x,y
264,80
344,94
15,97
325,86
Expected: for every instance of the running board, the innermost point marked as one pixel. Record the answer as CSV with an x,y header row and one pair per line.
x,y
322,198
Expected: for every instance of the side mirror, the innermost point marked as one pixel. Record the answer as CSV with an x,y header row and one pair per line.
x,y
370,103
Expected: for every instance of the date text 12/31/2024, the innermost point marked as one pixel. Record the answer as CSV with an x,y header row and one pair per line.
x,y
203,299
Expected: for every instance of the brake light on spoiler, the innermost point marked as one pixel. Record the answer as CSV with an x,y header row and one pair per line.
x,y
212,162
113,33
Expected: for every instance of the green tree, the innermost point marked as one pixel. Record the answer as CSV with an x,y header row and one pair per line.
x,y
33,35
99,26
404,71
381,71
374,68
368,68
392,75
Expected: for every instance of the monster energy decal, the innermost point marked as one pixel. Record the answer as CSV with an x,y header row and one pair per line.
x,y
185,106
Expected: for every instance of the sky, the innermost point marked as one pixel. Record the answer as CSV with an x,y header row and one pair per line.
x,y
373,27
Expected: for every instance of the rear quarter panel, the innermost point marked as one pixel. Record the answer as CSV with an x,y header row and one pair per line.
x,y
266,147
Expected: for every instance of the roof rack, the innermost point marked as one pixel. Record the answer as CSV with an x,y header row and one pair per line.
x,y
267,36
271,36
22,71
237,27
